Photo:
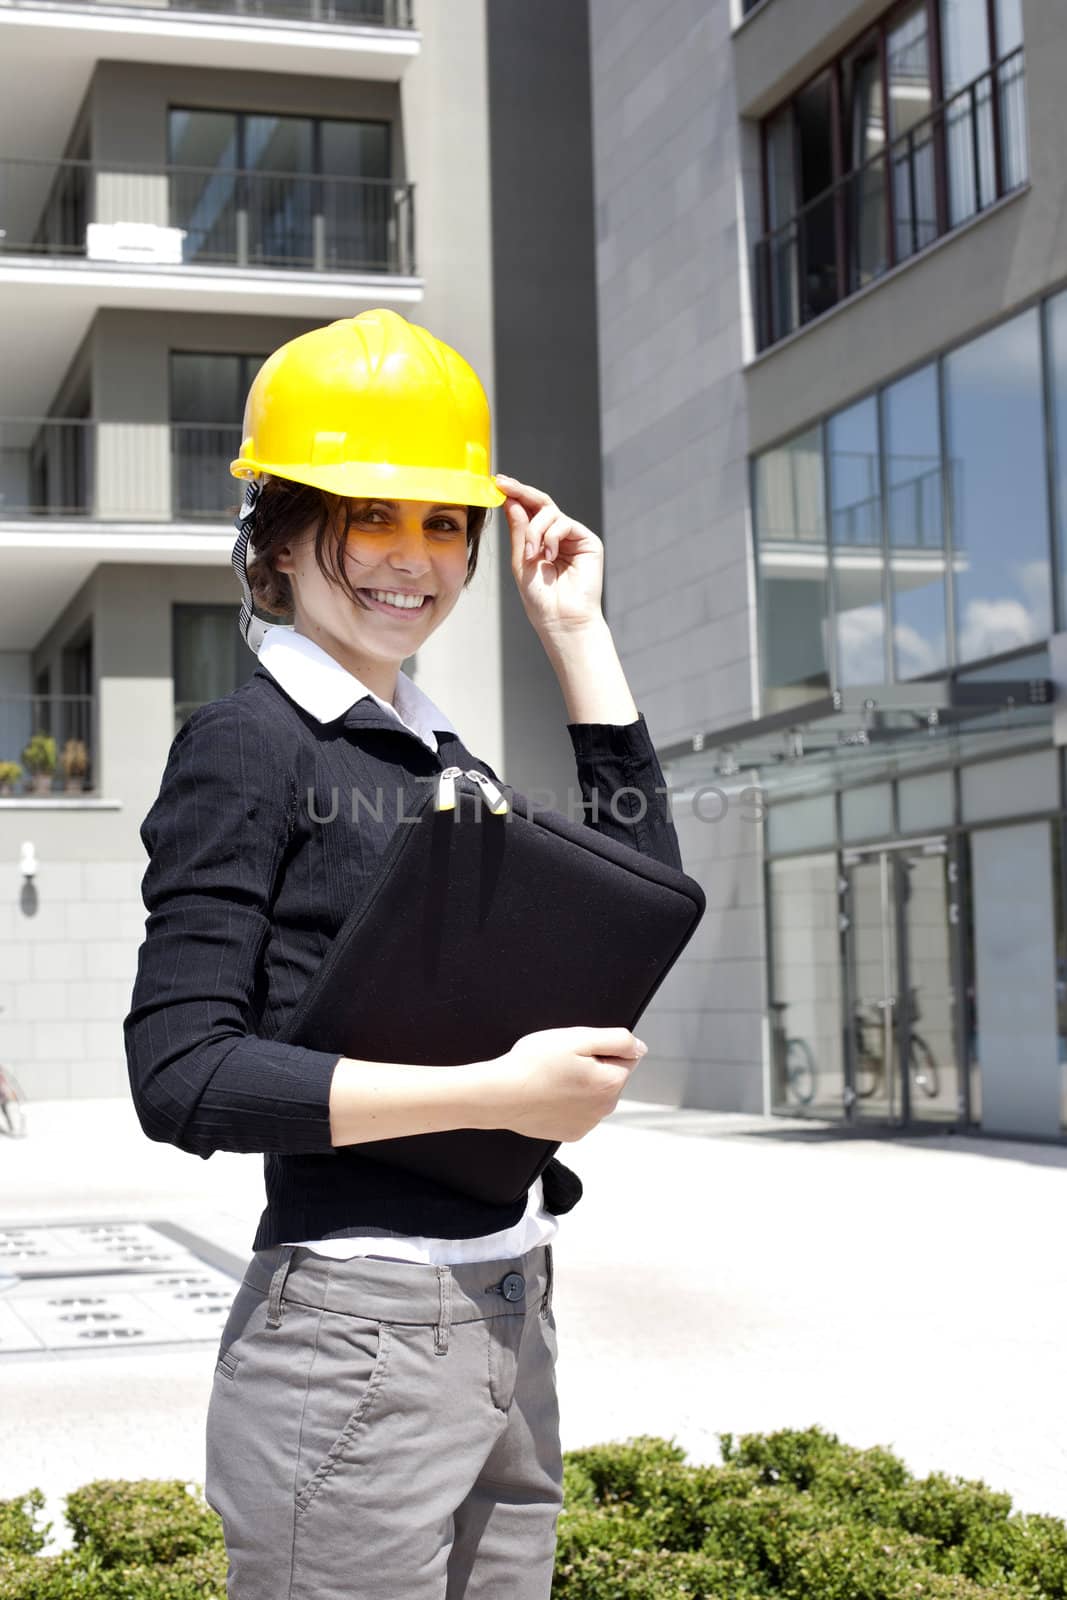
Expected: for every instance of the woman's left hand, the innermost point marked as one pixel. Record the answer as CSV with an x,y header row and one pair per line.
x,y
557,563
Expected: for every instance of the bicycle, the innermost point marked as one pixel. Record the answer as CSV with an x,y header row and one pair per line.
x,y
922,1063
12,1105
793,1058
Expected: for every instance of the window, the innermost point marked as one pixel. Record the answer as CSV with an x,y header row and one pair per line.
x,y
207,399
856,538
915,128
918,561
791,533
995,437
303,192
210,657
1057,354
937,534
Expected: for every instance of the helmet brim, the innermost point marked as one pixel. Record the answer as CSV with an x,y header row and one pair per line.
x,y
366,480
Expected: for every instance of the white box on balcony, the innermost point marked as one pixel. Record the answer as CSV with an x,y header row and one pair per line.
x,y
134,241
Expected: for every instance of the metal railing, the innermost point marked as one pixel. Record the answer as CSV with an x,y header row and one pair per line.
x,y
59,763
63,469
398,14
206,216
970,151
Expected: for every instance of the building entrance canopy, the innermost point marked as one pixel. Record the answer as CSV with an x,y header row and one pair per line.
x,y
855,734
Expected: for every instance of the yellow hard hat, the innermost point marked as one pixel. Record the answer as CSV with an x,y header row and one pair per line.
x,y
371,406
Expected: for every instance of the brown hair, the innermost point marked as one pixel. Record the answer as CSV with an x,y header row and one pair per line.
x,y
284,512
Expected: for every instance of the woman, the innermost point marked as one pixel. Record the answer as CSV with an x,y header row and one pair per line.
x,y
383,1418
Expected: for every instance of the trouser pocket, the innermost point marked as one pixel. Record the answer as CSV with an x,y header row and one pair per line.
x,y
344,1387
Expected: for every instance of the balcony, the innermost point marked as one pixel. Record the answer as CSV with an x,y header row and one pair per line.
x,y
393,14
63,471
970,152
356,39
46,745
205,217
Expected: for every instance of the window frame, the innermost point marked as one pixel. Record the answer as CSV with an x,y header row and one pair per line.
x,y
880,27
1055,531
241,115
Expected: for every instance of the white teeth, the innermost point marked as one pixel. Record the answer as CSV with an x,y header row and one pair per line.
x,y
405,602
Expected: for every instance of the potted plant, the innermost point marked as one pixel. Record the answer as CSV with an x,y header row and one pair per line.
x,y
10,773
40,758
75,764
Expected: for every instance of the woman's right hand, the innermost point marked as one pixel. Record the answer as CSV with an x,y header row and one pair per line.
x,y
558,1083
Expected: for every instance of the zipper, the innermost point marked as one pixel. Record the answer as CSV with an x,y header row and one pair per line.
x,y
445,797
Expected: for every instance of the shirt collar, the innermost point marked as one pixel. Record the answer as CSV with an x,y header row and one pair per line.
x,y
326,689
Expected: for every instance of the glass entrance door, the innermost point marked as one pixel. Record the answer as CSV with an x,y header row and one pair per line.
x,y
900,919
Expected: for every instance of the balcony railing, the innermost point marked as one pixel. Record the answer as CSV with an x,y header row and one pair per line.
x,y
206,216
60,469
351,13
969,152
46,744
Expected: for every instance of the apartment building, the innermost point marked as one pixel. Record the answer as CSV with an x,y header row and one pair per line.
x,y
183,186
832,260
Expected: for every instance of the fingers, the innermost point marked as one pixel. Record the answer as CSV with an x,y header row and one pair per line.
x,y
535,518
614,1042
533,499
546,532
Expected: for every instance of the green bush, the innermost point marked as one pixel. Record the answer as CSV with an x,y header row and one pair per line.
x,y
19,1531
143,1522
795,1514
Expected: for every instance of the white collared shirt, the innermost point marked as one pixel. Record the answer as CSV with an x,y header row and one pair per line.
x,y
311,677
326,689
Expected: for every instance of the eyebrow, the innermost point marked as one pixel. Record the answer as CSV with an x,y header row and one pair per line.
x,y
392,504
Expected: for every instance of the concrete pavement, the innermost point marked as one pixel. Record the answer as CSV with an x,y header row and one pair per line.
x,y
720,1274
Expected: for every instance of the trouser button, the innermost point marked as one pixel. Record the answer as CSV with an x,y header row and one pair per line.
x,y
513,1286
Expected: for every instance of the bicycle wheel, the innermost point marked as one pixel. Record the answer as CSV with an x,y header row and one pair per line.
x,y
924,1072
800,1071
872,1073
12,1107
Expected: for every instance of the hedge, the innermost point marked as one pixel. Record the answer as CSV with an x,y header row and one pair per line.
x,y
795,1514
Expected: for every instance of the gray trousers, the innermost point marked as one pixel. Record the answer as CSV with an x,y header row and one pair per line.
x,y
387,1430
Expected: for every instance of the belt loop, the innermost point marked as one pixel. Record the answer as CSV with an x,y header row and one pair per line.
x,y
277,1283
546,1298
441,1327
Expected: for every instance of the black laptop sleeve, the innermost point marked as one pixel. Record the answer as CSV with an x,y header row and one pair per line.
x,y
480,926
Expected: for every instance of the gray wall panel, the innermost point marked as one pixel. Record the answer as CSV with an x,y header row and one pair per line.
x,y
544,330
1015,980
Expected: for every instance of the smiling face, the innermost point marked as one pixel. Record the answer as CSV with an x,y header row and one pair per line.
x,y
408,549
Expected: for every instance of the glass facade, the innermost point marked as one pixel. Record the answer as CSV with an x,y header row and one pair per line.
x,y
937,545
1056,346
856,541
915,525
794,610
994,418
807,1068
919,125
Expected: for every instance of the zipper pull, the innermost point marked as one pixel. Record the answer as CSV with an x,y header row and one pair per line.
x,y
445,798
496,801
